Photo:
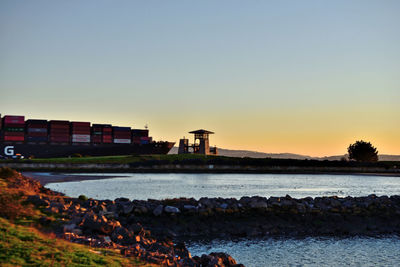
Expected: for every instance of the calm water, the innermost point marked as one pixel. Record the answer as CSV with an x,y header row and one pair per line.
x,y
160,186
358,251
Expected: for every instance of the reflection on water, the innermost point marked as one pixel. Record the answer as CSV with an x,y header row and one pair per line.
x,y
160,186
357,251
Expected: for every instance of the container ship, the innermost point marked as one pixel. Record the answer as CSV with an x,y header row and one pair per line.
x,y
60,138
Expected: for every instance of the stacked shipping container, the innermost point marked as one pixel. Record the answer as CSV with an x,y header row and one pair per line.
x,y
59,132
14,128
107,134
122,135
140,136
36,131
97,133
102,133
80,132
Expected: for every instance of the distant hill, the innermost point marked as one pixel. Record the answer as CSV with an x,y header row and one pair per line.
x,y
255,154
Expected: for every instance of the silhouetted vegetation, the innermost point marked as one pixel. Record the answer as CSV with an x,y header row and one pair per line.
x,y
148,161
363,152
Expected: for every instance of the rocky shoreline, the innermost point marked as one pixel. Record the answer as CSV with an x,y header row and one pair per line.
x,y
156,230
89,223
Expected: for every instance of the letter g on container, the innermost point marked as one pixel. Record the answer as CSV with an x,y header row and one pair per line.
x,y
9,150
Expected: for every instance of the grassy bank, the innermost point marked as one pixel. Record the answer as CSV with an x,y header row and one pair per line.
x,y
27,240
190,159
200,164
23,246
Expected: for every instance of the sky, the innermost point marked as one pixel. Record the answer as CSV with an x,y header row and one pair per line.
x,y
307,77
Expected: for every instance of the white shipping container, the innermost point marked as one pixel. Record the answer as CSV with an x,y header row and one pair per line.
x,y
122,141
81,136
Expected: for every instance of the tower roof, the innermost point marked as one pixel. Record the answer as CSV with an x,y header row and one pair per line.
x,y
201,131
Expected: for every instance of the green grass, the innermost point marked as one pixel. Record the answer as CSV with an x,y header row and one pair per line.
x,y
24,246
193,159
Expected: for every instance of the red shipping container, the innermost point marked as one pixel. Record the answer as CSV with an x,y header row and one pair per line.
x,y
59,127
14,133
14,119
80,123
57,133
61,135
14,138
59,140
81,132
14,125
59,130
59,122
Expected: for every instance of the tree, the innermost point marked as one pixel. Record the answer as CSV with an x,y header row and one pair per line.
x,y
363,151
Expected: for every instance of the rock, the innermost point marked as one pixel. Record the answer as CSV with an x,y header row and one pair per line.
x,y
171,209
127,207
38,201
258,205
122,235
136,228
223,206
77,231
69,227
227,260
158,210
99,223
189,207
108,214
205,201
121,199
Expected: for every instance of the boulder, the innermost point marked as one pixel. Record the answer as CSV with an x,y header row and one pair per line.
x,y
69,227
171,209
189,207
122,235
127,207
223,206
38,201
99,223
258,205
158,210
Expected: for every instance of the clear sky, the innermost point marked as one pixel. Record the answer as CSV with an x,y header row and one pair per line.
x,y
306,77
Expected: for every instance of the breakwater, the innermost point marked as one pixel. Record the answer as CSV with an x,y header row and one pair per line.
x,y
179,219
